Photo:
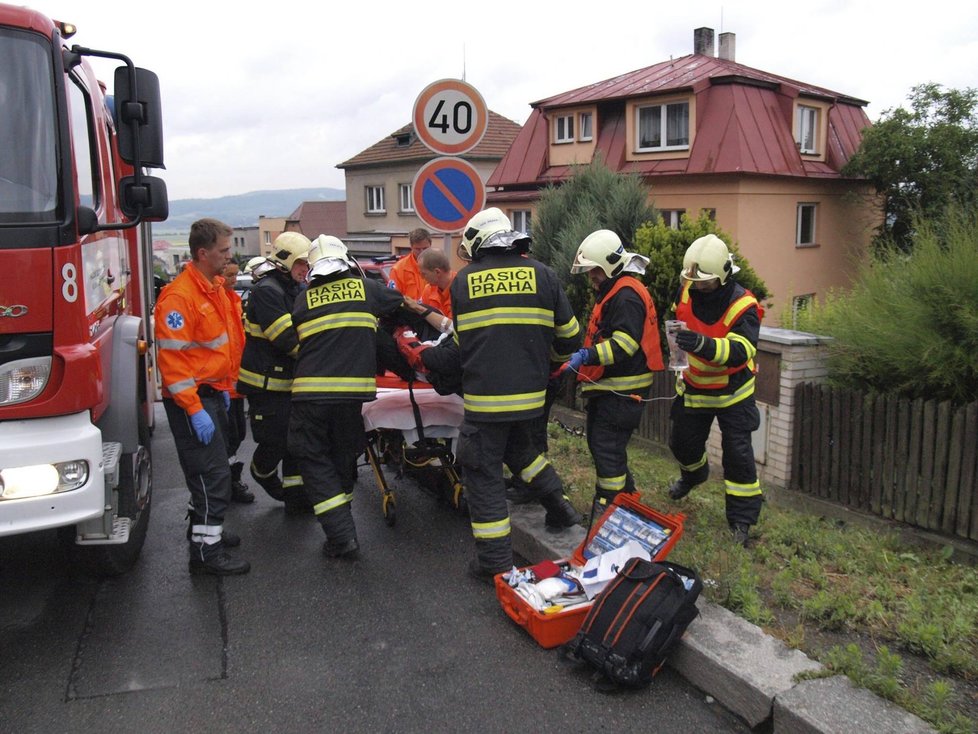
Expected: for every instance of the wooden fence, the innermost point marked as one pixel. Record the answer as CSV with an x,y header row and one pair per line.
x,y
911,461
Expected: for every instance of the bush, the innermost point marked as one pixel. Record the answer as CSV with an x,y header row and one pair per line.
x,y
909,326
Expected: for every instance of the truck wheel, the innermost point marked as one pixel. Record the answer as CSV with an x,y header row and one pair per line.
x,y
135,494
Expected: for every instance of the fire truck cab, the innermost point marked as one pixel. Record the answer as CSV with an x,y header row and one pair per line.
x,y
77,381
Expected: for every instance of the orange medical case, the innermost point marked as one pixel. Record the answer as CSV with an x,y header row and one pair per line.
x,y
625,519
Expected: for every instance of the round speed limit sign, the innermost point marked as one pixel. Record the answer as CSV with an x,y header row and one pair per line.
x,y
450,116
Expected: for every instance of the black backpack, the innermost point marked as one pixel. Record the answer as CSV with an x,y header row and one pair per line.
x,y
635,621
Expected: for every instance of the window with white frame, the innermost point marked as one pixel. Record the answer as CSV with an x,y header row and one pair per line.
x,y
564,129
375,200
805,227
268,238
585,132
800,304
672,217
662,126
807,129
407,200
521,220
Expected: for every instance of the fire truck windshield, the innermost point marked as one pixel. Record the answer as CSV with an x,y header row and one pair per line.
x,y
28,155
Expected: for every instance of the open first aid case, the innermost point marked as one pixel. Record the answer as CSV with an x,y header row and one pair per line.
x,y
626,519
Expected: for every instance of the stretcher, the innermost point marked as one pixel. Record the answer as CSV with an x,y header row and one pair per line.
x,y
413,428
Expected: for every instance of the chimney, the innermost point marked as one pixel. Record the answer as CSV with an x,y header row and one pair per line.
x,y
703,41
728,46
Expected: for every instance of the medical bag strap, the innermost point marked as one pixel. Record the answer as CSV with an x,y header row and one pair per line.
x,y
416,409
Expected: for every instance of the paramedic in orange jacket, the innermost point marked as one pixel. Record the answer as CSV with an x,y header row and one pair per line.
x,y
196,367
723,322
621,351
405,275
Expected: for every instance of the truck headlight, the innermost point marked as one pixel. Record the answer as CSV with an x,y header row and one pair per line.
x,y
41,479
23,379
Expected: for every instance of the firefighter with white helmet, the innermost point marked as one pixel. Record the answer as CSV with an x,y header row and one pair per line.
x,y
267,365
512,321
336,320
621,351
723,321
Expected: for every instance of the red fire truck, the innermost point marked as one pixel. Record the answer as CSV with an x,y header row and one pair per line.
x,y
77,384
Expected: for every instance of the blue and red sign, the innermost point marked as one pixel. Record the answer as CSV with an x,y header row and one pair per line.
x,y
447,192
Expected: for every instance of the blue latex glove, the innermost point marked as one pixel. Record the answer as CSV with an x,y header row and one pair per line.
x,y
578,359
203,426
227,401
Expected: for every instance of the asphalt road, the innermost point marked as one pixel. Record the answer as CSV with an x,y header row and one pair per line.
x,y
400,640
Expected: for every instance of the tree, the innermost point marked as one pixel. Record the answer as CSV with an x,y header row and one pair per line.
x,y
594,197
921,160
909,325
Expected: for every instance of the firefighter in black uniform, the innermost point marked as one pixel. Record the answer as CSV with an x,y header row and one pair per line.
x,y
621,351
512,320
267,364
723,322
336,320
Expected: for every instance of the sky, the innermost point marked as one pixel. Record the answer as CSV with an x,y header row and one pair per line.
x,y
259,97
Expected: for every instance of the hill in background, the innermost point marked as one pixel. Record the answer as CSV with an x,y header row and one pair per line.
x,y
241,210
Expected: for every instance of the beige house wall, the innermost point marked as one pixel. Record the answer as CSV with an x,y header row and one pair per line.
x,y
268,229
393,221
760,214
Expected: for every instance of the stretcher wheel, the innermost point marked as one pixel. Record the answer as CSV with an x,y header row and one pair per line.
x,y
390,509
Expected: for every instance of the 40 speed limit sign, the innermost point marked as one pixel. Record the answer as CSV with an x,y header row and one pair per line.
x,y
450,116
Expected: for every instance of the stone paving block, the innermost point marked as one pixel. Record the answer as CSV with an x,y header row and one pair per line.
x,y
737,663
836,706
532,539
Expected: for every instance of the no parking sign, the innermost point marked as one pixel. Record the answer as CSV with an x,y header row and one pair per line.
x,y
447,192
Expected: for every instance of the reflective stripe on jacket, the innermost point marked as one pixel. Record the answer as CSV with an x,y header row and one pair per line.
x,y
271,343
626,357
720,382
191,322
512,320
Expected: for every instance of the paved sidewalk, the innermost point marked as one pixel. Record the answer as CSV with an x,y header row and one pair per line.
x,y
746,670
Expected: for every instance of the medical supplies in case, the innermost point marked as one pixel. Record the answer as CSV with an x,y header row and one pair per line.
x,y
553,611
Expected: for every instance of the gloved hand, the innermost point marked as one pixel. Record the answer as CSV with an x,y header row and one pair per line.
x,y
227,401
578,359
203,426
690,341
411,347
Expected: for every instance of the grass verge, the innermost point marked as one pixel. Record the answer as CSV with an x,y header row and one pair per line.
x,y
844,595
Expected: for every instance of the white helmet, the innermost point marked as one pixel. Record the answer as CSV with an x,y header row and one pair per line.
x,y
253,263
489,229
328,255
287,248
708,258
604,249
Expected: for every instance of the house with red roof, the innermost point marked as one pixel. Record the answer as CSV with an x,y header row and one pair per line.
x,y
379,198
761,153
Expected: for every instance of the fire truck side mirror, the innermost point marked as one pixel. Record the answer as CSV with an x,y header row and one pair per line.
x,y
139,118
144,199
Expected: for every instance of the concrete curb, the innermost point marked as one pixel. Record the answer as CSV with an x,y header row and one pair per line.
x,y
746,670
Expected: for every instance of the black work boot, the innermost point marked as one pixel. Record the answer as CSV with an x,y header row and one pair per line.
x,y
216,561
741,533
345,549
239,490
560,512
483,574
679,489
269,482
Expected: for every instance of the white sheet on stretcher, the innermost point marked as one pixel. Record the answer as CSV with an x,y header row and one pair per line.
x,y
441,415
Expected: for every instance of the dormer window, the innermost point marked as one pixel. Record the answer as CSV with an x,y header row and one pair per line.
x,y
585,132
806,129
662,127
564,129
403,140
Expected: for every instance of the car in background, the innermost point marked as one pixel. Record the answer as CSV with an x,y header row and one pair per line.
x,y
243,286
378,268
